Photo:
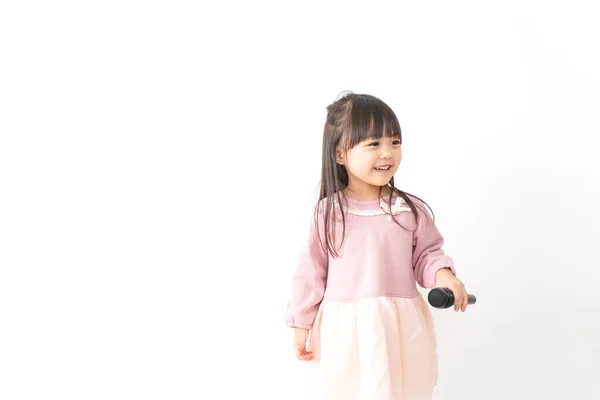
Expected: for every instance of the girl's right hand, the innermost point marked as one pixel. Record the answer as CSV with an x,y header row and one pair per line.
x,y
300,340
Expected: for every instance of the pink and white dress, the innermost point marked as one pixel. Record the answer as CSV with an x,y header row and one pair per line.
x,y
371,331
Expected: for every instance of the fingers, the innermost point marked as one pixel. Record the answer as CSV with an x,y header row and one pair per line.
x,y
465,299
302,353
458,297
300,340
461,298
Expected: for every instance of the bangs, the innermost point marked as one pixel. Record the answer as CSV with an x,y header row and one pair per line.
x,y
370,118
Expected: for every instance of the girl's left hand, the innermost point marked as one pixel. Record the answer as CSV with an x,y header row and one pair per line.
x,y
444,278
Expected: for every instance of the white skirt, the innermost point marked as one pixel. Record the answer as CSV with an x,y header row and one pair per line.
x,y
379,348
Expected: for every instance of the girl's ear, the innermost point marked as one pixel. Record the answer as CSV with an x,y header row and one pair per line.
x,y
339,156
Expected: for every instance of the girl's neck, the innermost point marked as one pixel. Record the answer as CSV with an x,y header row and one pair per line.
x,y
367,195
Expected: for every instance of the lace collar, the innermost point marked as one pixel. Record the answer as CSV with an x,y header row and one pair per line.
x,y
384,208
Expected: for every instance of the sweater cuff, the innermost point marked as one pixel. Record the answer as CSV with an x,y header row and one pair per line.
x,y
429,275
291,323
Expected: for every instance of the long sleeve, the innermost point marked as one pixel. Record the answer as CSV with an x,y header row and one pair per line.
x,y
428,255
308,283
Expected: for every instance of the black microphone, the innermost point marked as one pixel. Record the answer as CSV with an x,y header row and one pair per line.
x,y
444,298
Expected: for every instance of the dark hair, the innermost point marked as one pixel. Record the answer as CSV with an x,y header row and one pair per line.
x,y
350,120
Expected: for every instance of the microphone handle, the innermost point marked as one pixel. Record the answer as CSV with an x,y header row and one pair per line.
x,y
471,297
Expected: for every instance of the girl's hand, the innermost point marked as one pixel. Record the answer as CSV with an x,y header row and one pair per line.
x,y
300,339
444,278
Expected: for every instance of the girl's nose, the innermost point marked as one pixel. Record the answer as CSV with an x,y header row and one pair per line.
x,y
385,154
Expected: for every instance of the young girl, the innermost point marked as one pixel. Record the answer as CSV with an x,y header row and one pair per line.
x,y
354,289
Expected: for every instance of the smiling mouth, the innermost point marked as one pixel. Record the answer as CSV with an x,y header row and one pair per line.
x,y
383,168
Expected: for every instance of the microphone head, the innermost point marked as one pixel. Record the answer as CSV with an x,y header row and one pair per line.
x,y
441,298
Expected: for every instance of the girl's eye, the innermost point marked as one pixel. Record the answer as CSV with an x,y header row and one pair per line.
x,y
374,144
396,142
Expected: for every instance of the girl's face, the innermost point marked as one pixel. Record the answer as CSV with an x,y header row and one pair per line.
x,y
370,164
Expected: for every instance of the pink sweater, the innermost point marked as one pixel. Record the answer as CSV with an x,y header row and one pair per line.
x,y
377,258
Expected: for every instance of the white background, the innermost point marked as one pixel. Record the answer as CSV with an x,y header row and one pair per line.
x,y
159,161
